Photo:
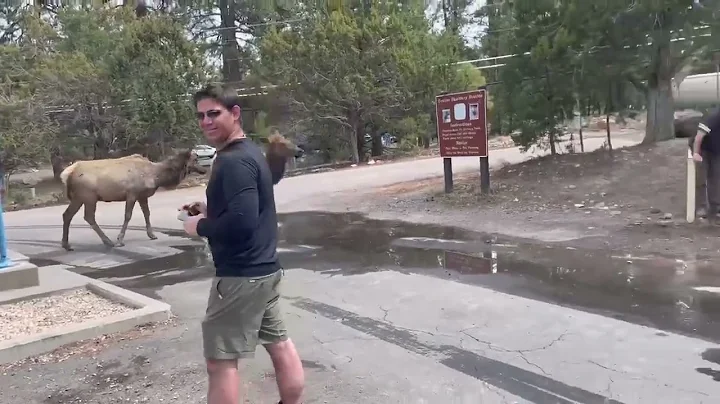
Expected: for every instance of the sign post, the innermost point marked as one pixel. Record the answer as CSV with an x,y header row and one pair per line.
x,y
462,132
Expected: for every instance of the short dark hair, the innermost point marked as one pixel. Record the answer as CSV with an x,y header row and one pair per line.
x,y
226,96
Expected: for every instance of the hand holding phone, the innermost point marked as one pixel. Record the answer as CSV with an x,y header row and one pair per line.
x,y
192,209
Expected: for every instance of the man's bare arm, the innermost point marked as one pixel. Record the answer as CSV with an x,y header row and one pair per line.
x,y
698,140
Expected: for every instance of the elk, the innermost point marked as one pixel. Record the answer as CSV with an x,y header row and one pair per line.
x,y
134,179
278,152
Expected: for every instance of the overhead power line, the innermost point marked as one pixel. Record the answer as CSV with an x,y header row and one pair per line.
x,y
507,56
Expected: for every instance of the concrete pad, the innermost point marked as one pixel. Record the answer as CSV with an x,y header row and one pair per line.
x,y
105,259
56,279
21,275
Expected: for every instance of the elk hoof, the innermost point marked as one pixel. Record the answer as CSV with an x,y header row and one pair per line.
x,y
118,244
152,236
67,247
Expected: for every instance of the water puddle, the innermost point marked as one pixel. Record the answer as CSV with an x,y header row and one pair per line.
x,y
662,292
657,291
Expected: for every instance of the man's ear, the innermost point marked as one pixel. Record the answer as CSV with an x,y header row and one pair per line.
x,y
236,112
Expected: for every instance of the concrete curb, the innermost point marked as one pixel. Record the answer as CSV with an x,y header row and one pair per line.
x,y
147,310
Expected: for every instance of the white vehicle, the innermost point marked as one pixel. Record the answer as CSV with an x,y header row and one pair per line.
x,y
205,155
699,90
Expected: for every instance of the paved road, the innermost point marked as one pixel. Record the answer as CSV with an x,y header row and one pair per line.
x,y
381,316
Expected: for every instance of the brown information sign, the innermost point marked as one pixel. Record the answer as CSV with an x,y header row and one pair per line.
x,y
462,124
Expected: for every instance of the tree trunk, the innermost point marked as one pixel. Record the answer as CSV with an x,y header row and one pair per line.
x,y
360,138
376,147
57,167
660,104
355,141
140,6
660,115
446,14
551,130
231,67
588,110
101,149
582,141
354,146
607,129
56,161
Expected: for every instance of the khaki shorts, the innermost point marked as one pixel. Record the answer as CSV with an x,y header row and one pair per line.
x,y
241,313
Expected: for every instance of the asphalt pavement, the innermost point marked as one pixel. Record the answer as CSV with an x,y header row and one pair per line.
x,y
388,312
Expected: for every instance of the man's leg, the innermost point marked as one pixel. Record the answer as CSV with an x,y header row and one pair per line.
x,y
234,314
289,372
713,184
223,381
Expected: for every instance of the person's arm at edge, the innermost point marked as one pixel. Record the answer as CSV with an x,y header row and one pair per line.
x,y
697,142
239,182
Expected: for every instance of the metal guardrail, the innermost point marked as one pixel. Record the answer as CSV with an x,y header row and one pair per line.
x,y
317,168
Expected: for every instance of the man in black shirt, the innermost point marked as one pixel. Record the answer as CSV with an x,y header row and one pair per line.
x,y
706,153
240,224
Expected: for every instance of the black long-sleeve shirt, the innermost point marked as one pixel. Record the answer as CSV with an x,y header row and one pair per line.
x,y
241,223
711,126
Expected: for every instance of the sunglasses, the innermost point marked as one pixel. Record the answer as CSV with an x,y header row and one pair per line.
x,y
212,114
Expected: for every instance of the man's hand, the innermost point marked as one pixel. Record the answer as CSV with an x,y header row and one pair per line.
x,y
190,224
697,157
195,208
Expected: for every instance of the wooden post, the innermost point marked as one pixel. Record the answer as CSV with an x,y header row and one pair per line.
x,y
484,175
448,174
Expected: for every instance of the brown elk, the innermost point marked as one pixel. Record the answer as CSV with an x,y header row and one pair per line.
x,y
134,179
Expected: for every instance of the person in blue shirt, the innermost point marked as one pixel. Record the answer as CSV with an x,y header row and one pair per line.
x,y
241,226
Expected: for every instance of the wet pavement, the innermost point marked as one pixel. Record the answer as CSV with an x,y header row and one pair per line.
x,y
650,290
520,321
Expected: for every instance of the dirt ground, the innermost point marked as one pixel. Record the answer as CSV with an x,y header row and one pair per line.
x,y
631,200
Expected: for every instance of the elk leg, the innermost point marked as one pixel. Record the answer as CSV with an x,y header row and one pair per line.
x,y
129,206
68,215
90,219
146,212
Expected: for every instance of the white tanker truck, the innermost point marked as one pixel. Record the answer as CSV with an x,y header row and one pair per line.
x,y
698,91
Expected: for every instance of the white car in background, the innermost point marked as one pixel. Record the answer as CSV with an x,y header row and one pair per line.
x,y
205,155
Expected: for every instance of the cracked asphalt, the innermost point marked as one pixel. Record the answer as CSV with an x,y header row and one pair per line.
x,y
380,317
